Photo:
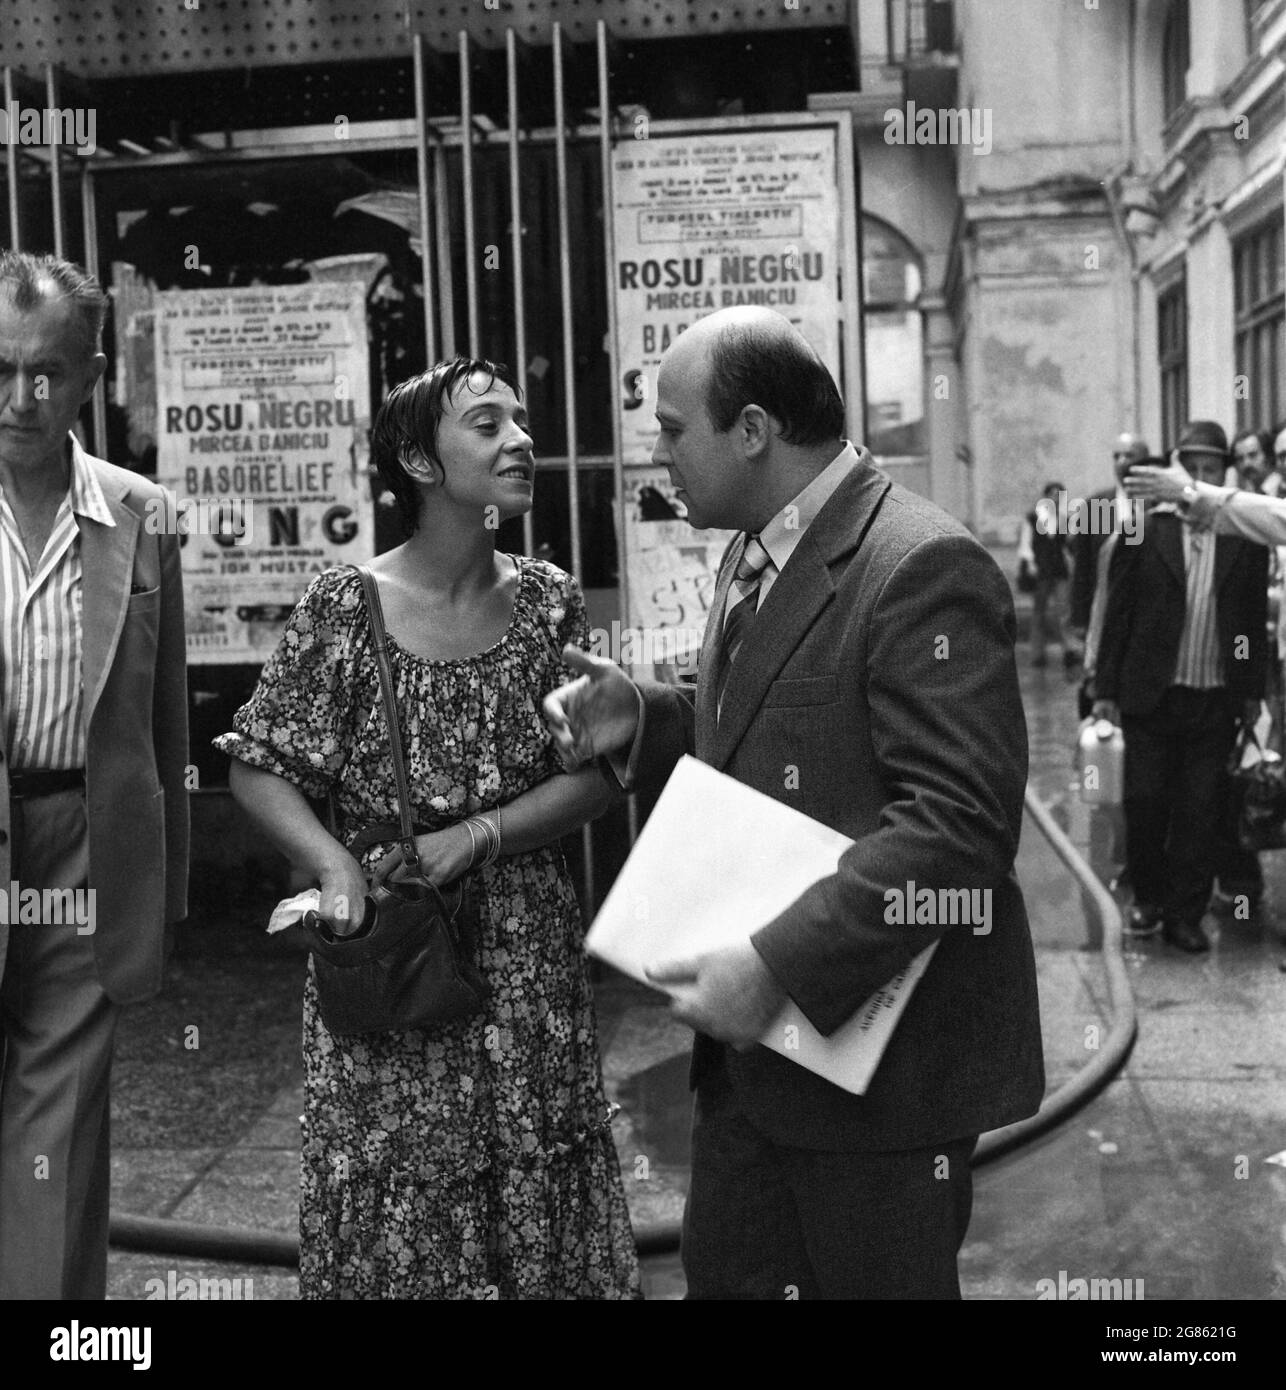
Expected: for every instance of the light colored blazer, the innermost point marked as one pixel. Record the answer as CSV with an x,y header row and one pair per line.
x,y
877,692
136,714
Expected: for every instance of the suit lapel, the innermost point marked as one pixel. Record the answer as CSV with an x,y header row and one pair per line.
x,y
1169,533
1226,554
107,562
798,595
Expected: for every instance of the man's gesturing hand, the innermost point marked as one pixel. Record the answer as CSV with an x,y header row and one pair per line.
x,y
596,713
1158,484
729,994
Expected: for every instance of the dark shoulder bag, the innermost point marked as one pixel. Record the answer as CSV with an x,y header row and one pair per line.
x,y
410,964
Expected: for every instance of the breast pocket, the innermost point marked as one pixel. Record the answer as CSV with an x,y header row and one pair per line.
x,y
143,602
803,690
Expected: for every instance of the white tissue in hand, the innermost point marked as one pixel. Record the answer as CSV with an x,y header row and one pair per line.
x,y
291,910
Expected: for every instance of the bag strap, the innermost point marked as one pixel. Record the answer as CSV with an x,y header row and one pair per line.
x,y
375,612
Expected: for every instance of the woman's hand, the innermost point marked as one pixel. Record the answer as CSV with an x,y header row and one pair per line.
x,y
343,895
444,855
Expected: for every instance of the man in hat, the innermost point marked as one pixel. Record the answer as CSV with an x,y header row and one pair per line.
x,y
1183,656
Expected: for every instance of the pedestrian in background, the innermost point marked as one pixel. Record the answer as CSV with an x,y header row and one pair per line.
x,y
1043,548
1182,659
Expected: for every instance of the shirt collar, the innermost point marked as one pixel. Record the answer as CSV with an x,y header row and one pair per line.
x,y
784,532
87,498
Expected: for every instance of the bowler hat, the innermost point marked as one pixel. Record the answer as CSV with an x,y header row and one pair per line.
x,y
1202,437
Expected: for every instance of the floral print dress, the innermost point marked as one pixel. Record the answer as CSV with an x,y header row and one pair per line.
x,y
473,1159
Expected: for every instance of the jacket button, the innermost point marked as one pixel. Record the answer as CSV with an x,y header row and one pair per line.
x,y
4,837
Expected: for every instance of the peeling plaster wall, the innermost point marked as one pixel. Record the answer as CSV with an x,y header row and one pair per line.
x,y
1046,287
1049,364
1053,73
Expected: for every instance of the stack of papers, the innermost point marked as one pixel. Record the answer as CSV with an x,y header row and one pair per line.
x,y
716,861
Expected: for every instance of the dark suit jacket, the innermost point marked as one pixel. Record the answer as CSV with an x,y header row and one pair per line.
x,y
136,718
1085,548
1146,602
877,692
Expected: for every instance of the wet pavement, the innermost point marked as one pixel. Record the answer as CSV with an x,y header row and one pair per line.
x,y
1174,1175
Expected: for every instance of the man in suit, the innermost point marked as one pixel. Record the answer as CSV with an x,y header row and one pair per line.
x,y
1091,548
1183,656
866,676
93,746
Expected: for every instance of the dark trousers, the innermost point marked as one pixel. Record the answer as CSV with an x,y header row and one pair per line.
x,y
1175,777
1238,869
1047,616
57,1028
765,1221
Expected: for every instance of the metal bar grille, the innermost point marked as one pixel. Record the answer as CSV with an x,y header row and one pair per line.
x,y
515,237
422,191
11,172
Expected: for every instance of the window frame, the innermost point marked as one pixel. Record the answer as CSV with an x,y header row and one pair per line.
x,y
1259,320
1172,356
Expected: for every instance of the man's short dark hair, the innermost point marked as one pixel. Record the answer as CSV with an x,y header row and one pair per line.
x,y
410,416
778,372
30,280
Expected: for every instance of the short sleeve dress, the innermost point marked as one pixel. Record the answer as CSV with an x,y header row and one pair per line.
x,y
473,1159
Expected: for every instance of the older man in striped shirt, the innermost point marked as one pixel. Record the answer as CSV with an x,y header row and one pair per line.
x,y
93,747
1183,656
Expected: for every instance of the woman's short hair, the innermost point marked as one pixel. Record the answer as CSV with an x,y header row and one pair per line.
x,y
410,416
779,372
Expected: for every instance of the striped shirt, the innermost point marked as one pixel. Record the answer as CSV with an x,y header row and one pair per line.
x,y
42,687
1199,665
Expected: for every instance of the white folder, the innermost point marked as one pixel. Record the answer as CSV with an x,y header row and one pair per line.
x,y
716,861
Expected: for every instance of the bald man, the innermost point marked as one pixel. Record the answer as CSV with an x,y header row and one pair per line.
x,y
858,665
1089,573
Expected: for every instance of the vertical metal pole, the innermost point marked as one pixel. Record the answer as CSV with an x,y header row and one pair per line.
x,y
442,228
613,350
466,155
515,237
55,161
569,369
422,188
614,357
565,288
852,336
11,167
89,222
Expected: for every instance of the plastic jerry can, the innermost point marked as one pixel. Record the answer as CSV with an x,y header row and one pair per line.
x,y
1101,746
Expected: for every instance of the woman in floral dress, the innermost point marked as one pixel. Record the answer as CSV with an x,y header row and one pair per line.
x,y
472,1159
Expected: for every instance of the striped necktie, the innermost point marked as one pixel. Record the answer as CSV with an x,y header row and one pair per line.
x,y
741,614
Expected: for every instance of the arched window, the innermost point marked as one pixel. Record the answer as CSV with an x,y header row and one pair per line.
x,y
1175,56
894,335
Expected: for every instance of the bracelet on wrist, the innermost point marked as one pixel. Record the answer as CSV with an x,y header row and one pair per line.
x,y
490,834
493,841
473,843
